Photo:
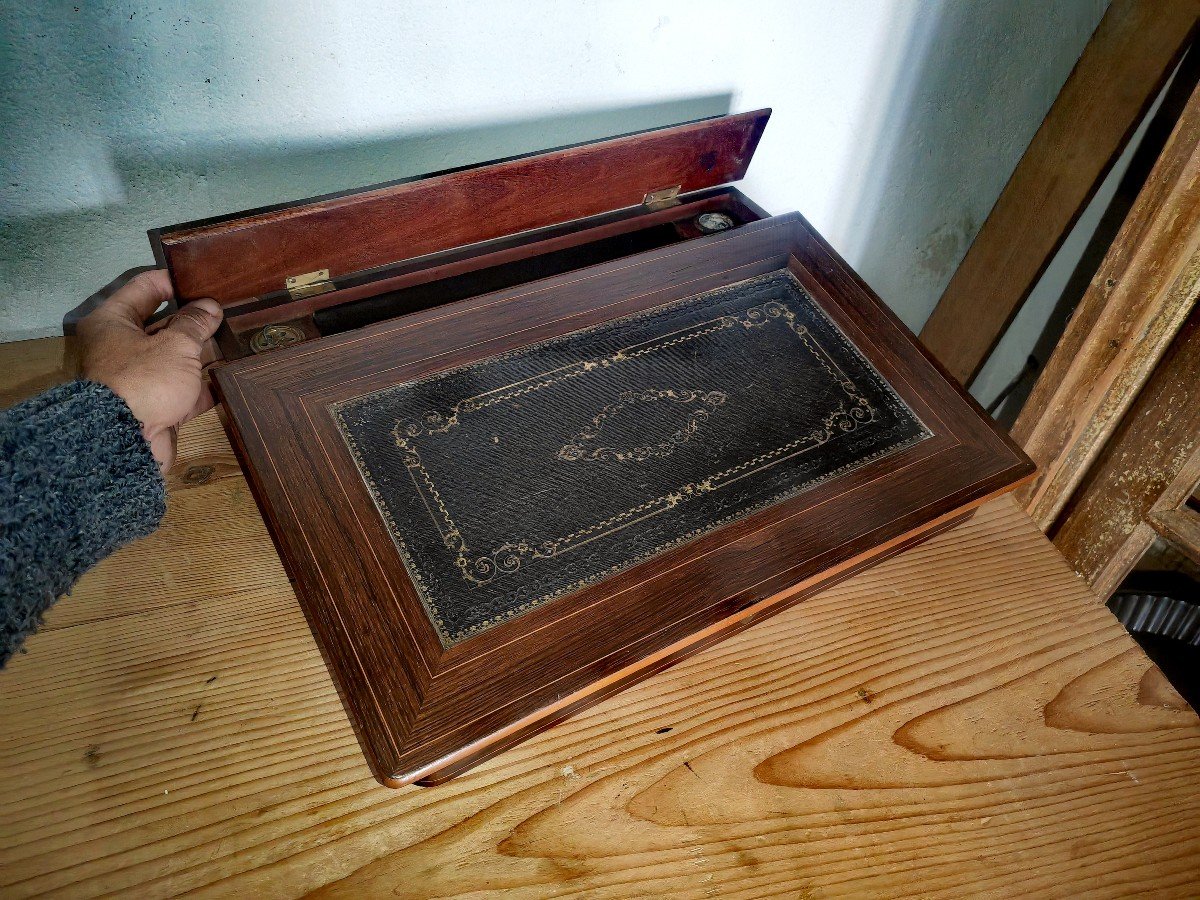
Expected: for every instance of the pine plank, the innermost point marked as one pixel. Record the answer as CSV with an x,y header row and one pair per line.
x,y
963,718
29,367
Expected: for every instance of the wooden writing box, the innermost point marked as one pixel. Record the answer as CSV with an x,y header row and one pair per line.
x,y
528,432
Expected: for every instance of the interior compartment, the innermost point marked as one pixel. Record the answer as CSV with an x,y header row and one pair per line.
x,y
414,285
357,313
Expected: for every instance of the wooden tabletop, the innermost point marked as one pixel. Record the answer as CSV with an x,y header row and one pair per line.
x,y
964,718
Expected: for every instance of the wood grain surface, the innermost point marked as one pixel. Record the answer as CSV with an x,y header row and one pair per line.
x,y
964,718
1130,313
1181,527
251,253
1121,70
475,269
1110,523
30,367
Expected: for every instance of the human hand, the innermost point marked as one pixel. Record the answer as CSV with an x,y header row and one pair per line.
x,y
156,370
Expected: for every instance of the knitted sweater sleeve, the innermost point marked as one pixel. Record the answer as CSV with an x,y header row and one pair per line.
x,y
77,480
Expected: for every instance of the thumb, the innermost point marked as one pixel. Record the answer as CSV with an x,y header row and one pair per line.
x,y
198,320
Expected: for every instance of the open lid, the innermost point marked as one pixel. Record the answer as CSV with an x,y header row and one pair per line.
x,y
254,252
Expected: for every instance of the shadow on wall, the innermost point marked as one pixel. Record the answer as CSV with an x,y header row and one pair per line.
x,y
953,71
60,258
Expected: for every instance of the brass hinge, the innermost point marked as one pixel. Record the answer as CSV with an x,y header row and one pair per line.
x,y
309,284
662,198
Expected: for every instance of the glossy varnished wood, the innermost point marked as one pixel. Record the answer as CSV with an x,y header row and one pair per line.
x,y
245,317
964,718
252,253
420,709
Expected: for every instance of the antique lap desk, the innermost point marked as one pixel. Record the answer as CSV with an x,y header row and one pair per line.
x,y
529,431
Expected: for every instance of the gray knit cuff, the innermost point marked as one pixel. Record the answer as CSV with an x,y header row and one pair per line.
x,y
77,481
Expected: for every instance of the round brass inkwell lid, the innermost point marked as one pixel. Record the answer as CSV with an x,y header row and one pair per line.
x,y
272,337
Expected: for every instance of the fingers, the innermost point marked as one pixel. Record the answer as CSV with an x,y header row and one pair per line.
x,y
162,447
204,403
137,300
197,321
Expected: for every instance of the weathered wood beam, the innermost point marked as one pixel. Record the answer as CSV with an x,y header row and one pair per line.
x,y
1122,69
1144,290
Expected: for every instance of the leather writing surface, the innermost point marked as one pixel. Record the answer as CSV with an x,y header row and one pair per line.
x,y
510,482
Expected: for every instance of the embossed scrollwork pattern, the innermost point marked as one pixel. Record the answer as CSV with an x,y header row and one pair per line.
x,y
580,448
479,569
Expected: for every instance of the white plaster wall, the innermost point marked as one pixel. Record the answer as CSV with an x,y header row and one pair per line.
x,y
896,122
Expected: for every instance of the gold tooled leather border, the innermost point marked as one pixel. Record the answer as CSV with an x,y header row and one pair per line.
x,y
509,556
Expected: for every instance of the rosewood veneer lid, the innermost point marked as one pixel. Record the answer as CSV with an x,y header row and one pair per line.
x,y
250,253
